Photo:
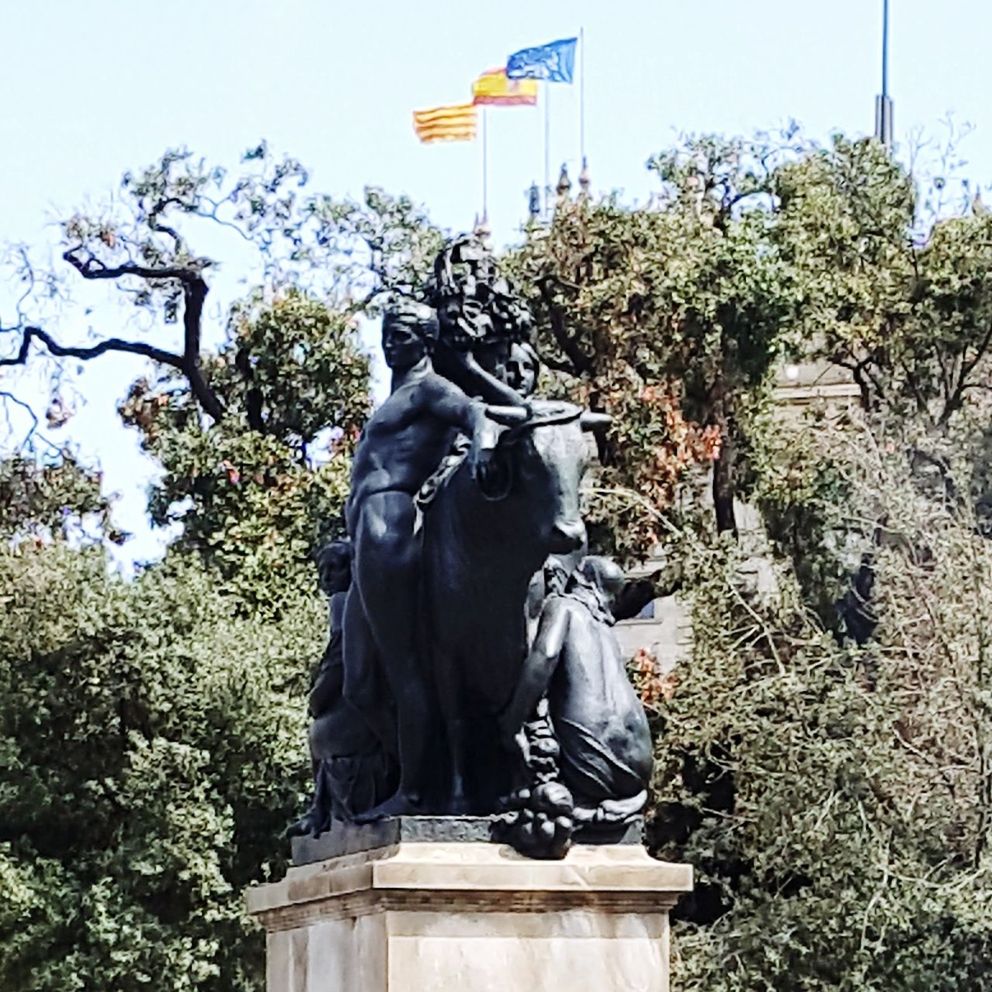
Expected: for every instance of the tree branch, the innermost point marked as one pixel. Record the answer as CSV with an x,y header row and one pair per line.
x,y
201,389
156,225
580,362
5,398
92,268
195,291
954,401
90,351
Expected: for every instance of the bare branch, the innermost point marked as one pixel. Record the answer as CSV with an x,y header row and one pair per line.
x,y
10,398
93,268
195,291
89,351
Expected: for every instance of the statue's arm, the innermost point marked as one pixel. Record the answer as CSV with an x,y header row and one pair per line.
x,y
539,666
448,403
462,368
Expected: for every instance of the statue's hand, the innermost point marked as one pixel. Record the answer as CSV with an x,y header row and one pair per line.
x,y
511,736
491,471
520,743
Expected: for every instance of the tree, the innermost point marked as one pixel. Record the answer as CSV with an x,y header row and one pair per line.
x,y
668,315
832,790
899,301
152,731
835,799
827,777
152,752
258,492
254,435
347,253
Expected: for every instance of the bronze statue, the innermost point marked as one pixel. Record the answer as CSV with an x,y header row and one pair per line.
x,y
480,318
459,648
522,368
402,444
604,741
483,540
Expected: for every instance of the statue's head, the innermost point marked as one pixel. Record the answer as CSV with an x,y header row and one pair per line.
x,y
409,330
334,566
555,576
522,368
476,305
600,574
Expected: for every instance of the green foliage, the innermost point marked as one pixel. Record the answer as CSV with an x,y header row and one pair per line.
x,y
835,801
666,314
375,247
802,491
906,309
351,252
257,492
151,753
152,744
54,498
752,249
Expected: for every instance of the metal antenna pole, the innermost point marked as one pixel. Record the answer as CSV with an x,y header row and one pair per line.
x,y
582,95
885,48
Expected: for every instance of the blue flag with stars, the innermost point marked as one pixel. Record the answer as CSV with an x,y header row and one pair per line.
x,y
554,62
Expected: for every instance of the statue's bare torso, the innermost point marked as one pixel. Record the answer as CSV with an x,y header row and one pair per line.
x,y
407,437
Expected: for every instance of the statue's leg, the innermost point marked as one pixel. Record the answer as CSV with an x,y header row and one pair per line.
x,y
452,712
363,686
387,577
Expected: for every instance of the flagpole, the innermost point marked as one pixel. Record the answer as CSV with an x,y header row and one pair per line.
x,y
547,149
582,95
485,165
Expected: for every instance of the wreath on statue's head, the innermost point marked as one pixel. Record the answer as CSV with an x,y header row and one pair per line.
x,y
475,304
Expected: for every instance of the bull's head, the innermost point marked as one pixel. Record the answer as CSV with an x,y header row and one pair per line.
x,y
540,461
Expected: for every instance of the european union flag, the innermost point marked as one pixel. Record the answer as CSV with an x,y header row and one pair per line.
x,y
554,62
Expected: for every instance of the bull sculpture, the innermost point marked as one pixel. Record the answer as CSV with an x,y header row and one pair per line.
x,y
486,534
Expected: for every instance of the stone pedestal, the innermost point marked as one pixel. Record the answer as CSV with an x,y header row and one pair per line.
x,y
471,917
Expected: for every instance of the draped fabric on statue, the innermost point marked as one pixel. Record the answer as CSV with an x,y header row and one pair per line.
x,y
593,772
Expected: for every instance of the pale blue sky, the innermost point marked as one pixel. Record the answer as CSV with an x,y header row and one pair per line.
x,y
88,90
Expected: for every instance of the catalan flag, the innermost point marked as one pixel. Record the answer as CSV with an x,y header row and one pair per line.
x,y
454,123
493,89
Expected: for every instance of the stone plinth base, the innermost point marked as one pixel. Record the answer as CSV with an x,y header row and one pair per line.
x,y
471,917
352,838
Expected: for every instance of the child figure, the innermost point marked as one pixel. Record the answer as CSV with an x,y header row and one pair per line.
x,y
351,769
602,732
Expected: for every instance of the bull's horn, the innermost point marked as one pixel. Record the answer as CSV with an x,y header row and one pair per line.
x,y
508,416
595,421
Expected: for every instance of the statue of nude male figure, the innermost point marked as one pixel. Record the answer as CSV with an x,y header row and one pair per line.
x,y
402,445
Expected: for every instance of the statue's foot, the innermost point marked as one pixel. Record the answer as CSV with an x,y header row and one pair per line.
x,y
399,804
308,825
460,806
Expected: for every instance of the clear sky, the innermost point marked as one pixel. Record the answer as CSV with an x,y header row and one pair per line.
x,y
88,90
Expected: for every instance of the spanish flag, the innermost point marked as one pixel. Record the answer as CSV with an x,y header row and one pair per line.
x,y
495,90
455,123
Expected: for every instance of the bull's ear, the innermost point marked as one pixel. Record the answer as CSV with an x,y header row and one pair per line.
x,y
594,421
